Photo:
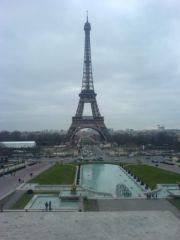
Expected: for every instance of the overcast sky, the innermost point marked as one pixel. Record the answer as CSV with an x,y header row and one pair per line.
x,y
135,56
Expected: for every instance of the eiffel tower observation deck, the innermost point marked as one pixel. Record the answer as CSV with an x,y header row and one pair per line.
x,y
87,95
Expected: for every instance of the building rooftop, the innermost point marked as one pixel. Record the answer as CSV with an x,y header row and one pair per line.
x,y
18,144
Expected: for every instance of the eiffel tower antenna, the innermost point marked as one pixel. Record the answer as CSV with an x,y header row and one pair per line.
x,y
87,15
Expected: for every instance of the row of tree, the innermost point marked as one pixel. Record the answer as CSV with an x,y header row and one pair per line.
x,y
42,138
153,139
49,138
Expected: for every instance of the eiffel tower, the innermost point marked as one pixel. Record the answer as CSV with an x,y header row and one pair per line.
x,y
87,95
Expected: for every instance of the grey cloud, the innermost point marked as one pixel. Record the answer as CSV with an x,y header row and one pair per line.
x,y
135,53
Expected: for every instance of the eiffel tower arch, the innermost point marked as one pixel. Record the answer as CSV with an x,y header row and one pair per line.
x,y
87,95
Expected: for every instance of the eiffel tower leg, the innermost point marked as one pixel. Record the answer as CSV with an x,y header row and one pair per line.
x,y
105,133
95,109
71,132
101,127
80,108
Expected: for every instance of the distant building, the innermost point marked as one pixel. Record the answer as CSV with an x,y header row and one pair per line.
x,y
111,130
160,127
18,144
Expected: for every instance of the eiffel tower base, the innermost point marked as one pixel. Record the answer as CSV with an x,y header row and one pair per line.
x,y
96,124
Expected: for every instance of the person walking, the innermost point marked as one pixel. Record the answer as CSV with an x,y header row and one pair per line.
x,y
156,195
1,207
46,206
147,195
50,208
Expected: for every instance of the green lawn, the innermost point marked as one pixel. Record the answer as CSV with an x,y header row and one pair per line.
x,y
90,205
57,174
175,202
152,175
23,201
25,198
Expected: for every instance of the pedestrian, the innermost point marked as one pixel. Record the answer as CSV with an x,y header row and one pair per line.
x,y
46,206
1,207
50,206
19,180
148,195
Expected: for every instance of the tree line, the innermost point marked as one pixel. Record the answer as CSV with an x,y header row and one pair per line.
x,y
42,138
151,139
49,138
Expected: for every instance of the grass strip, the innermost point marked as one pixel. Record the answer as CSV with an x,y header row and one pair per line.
x,y
57,174
175,202
153,175
22,201
25,198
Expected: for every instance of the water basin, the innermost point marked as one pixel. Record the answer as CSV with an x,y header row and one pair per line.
x,y
39,200
111,179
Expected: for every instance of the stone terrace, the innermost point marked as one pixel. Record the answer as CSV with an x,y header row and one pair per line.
x,y
133,225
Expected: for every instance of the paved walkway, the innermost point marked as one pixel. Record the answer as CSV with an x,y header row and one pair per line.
x,y
171,168
9,201
92,225
9,183
136,205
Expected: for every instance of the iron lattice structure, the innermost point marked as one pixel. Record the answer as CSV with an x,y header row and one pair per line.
x,y
87,95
